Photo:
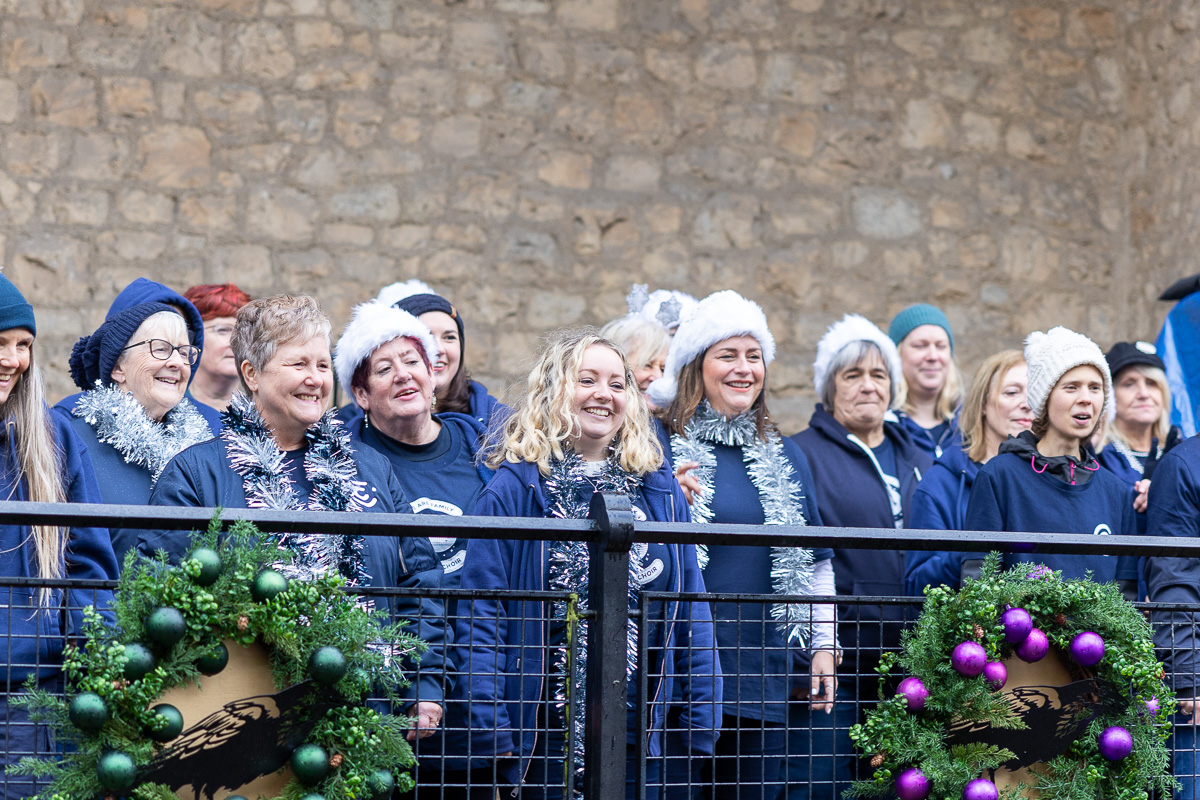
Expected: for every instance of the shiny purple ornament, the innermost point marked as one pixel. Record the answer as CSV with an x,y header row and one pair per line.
x,y
913,689
1087,649
981,789
996,675
912,785
968,659
1017,625
1034,648
1115,743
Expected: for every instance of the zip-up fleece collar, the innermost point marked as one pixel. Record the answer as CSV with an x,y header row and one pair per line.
x,y
1071,471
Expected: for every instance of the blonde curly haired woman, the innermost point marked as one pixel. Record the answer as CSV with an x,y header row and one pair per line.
x,y
582,427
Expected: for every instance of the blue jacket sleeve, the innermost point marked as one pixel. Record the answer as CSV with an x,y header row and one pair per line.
x,y
176,486
695,662
89,552
1174,510
931,567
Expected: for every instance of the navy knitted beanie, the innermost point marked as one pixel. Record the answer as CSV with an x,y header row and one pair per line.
x,y
15,312
418,304
93,357
914,317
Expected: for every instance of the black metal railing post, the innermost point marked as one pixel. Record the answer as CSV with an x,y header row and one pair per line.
x,y
608,600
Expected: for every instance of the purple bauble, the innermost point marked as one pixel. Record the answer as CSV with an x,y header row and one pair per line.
x,y
912,785
1017,625
1034,648
996,675
968,659
981,789
1115,743
914,691
1087,649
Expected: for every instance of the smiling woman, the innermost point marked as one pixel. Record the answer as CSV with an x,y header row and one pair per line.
x,y
133,416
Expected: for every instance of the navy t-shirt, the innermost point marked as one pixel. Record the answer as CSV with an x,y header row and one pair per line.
x,y
437,478
1009,496
754,657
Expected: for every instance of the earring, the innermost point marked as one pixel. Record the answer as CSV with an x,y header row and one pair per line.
x,y
366,420
433,403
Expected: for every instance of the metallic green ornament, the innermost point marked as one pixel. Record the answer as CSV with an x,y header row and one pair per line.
x,y
327,665
174,725
310,763
210,565
165,627
267,584
380,785
138,661
116,771
215,661
88,711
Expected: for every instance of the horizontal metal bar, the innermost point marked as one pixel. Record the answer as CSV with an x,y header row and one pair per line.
x,y
335,522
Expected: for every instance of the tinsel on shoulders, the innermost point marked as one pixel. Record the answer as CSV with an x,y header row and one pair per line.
x,y
120,420
328,463
569,490
779,491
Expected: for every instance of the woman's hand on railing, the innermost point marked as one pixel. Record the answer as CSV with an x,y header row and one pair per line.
x,y
427,716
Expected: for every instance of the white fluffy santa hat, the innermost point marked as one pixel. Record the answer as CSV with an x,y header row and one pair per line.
x,y
848,330
372,324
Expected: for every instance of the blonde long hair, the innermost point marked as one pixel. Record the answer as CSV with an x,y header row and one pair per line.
x,y
40,463
983,389
1163,426
542,423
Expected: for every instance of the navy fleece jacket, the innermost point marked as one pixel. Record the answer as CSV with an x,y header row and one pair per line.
x,y
940,504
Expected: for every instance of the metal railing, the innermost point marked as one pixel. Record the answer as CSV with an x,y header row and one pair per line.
x,y
610,533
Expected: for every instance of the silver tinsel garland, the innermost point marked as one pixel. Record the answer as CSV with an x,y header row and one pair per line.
x,y
1130,456
568,492
121,421
778,490
254,455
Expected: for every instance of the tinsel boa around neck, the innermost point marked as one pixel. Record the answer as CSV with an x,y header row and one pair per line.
x,y
121,421
778,490
568,493
254,455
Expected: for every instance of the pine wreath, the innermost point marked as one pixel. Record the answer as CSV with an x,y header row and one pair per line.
x,y
943,732
171,623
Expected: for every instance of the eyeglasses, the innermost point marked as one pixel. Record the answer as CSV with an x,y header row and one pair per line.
x,y
162,349
221,330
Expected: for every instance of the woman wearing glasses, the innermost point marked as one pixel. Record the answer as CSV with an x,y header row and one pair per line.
x,y
215,377
133,415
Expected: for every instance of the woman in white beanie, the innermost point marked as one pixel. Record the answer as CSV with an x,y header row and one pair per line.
x,y
866,468
713,397
1046,479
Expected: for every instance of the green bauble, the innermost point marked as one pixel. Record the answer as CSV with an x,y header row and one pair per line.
x,y
310,763
215,661
174,725
380,785
236,797
165,627
313,796
327,665
267,584
210,565
116,771
138,661
88,711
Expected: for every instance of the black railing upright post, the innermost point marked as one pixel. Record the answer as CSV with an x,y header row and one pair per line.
x,y
608,599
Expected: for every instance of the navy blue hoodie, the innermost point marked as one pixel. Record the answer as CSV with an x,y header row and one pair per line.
x,y
950,438
940,504
850,493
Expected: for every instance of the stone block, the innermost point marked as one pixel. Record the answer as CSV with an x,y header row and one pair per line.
x,y
1051,62
115,53
926,125
33,154
192,43
804,216
1090,26
370,204
547,60
668,264
468,237
640,119
920,43
231,111
127,96
884,213
632,174
457,137
74,205
980,132
662,218
339,72
589,15
946,212
727,65
453,265
282,214
30,48
124,246
251,264
51,267
17,204
319,34
986,44
356,121
727,221
480,47
796,134
260,50
1036,23
69,100
424,91
669,66
406,237
145,208
372,14
341,233
299,119
565,170
806,79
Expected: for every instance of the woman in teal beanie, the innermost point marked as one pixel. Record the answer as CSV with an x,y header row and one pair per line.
x,y
931,385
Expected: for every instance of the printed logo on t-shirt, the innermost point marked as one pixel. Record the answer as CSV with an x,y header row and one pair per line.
x,y
435,506
642,572
450,551
1102,530
362,494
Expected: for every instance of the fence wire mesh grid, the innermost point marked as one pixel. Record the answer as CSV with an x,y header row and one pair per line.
x,y
509,729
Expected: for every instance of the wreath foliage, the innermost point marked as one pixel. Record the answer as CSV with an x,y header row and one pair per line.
x,y
896,739
365,746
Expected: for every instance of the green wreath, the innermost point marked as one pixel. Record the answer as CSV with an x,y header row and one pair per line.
x,y
171,623
909,737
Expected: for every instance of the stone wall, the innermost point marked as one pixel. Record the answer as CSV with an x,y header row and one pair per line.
x,y
1021,165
